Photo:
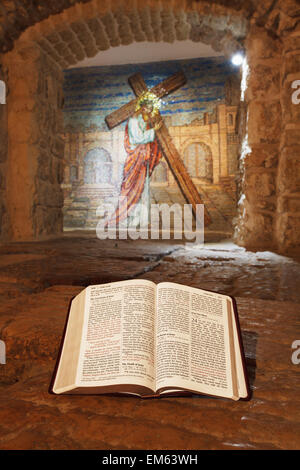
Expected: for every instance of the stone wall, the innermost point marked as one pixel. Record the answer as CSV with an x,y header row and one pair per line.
x,y
35,149
87,25
260,143
269,211
288,180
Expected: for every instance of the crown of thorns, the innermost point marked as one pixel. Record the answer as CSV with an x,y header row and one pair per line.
x,y
149,99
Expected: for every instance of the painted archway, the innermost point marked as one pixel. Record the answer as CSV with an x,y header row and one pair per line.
x,y
97,167
198,160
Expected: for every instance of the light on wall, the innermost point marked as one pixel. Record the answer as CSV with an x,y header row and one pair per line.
x,y
237,59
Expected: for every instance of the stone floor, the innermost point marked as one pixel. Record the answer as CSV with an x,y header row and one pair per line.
x,y
37,282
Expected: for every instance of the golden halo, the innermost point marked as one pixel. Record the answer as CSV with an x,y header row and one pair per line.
x,y
149,98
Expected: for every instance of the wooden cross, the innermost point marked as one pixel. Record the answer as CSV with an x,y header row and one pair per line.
x,y
169,150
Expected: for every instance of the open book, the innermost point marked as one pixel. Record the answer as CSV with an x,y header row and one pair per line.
x,y
136,337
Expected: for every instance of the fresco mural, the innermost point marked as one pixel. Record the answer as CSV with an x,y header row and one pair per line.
x,y
201,120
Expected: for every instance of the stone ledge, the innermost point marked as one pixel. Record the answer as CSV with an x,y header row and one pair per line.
x,y
31,418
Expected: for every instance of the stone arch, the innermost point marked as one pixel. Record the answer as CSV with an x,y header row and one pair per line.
x,y
198,160
84,30
159,20
64,39
97,166
61,35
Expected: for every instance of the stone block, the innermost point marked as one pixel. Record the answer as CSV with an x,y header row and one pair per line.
x,y
53,38
290,64
289,7
57,171
260,45
288,233
264,156
263,225
264,122
256,229
23,104
67,35
58,147
47,220
260,185
77,50
264,82
20,128
22,164
290,204
44,166
282,18
48,195
290,110
291,43
290,136
289,170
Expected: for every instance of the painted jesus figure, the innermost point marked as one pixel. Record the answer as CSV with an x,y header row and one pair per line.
x,y
143,155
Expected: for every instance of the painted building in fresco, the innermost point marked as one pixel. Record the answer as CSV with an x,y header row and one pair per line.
x,y
200,121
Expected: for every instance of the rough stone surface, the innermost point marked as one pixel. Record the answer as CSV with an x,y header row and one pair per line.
x,y
120,22
34,266
260,147
288,181
159,20
32,318
35,163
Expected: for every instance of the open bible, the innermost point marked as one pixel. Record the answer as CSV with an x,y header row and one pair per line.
x,y
135,337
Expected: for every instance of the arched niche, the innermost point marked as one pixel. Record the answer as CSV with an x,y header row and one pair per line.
x,y
97,167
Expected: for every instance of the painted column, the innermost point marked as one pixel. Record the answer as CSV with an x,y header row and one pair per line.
x,y
222,121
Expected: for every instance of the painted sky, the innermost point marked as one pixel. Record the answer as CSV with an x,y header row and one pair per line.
x,y
91,93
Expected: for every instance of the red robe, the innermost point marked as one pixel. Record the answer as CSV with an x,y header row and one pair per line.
x,y
134,175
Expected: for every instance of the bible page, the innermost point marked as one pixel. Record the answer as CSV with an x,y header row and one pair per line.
x,y
241,380
192,341
117,344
